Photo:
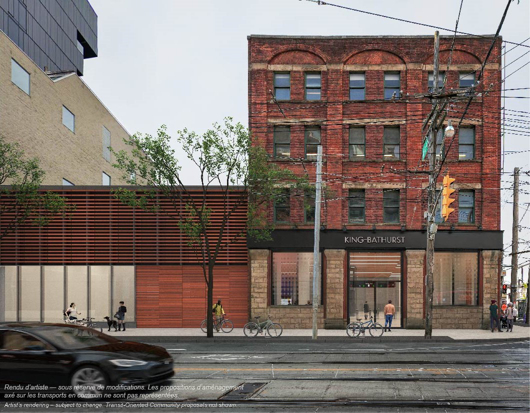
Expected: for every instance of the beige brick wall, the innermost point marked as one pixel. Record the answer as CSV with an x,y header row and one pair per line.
x,y
414,286
335,288
258,282
296,316
457,317
35,122
491,282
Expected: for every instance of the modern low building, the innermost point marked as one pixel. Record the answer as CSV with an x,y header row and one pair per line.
x,y
106,252
362,99
56,118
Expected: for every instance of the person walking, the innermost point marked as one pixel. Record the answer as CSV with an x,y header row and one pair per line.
x,y
510,316
218,312
120,315
389,312
366,310
72,312
494,316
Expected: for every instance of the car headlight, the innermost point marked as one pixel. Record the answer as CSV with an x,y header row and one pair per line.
x,y
128,363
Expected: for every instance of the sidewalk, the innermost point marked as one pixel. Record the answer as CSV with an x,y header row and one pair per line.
x,y
166,334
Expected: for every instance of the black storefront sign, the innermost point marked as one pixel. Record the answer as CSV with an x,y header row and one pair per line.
x,y
302,240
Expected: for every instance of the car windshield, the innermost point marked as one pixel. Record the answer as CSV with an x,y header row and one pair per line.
x,y
75,338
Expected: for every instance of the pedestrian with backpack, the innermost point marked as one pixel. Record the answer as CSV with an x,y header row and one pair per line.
x,y
218,313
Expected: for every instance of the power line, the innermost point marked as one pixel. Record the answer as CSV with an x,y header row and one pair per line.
x,y
515,71
513,61
322,3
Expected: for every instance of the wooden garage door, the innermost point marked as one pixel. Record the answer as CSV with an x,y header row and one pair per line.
x,y
175,296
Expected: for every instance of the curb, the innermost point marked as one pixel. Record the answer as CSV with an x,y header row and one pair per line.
x,y
203,339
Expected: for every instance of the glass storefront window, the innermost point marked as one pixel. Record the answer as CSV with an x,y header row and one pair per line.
x,y
456,278
123,290
25,295
30,292
292,278
100,292
77,288
374,279
8,293
53,294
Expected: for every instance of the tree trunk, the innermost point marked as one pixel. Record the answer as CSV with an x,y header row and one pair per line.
x,y
210,302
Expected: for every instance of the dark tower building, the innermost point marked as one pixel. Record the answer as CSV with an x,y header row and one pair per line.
x,y
56,34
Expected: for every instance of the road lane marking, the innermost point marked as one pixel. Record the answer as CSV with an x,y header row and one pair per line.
x,y
176,349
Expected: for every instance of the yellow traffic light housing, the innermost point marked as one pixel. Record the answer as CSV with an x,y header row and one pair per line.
x,y
446,200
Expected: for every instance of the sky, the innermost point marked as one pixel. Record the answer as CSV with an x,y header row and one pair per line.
x,y
185,63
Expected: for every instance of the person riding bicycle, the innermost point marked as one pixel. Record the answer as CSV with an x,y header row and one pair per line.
x,y
72,312
218,312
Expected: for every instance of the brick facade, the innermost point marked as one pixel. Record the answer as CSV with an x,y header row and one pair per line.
x,y
35,122
335,58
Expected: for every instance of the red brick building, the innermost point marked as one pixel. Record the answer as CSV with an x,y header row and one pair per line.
x,y
361,99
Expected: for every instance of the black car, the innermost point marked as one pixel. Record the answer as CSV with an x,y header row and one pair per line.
x,y
81,359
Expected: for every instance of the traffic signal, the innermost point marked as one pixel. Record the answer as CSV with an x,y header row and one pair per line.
x,y
504,288
446,200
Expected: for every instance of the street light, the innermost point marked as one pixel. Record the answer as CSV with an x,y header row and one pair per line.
x,y
449,131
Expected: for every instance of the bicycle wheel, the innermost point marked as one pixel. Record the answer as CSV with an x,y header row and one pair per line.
x,y
352,331
204,326
274,330
356,329
251,329
376,330
227,326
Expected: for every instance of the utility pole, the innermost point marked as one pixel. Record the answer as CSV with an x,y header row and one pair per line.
x,y
316,249
515,235
431,204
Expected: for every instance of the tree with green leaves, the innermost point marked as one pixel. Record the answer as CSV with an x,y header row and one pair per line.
x,y
227,160
21,202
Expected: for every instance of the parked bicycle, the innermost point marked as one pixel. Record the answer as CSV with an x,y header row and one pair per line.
x,y
251,329
224,324
356,328
84,322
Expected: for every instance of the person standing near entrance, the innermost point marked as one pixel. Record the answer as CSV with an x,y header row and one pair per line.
x,y
120,315
494,316
366,310
389,312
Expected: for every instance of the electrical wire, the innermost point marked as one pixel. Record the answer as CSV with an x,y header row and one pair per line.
x,y
323,3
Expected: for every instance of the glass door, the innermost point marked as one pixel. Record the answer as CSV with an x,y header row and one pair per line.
x,y
374,280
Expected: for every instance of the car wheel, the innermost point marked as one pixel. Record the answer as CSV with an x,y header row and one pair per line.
x,y
88,382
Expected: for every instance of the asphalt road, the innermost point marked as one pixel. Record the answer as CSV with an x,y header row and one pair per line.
x,y
269,375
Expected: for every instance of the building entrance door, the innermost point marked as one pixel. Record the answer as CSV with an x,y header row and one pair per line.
x,y
374,279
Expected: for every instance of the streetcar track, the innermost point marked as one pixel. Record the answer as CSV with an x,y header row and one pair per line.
x,y
377,379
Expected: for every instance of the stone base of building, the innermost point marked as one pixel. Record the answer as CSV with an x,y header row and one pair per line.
x,y
344,295
335,324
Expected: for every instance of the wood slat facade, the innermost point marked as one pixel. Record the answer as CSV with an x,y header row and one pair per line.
x,y
170,287
103,230
176,296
